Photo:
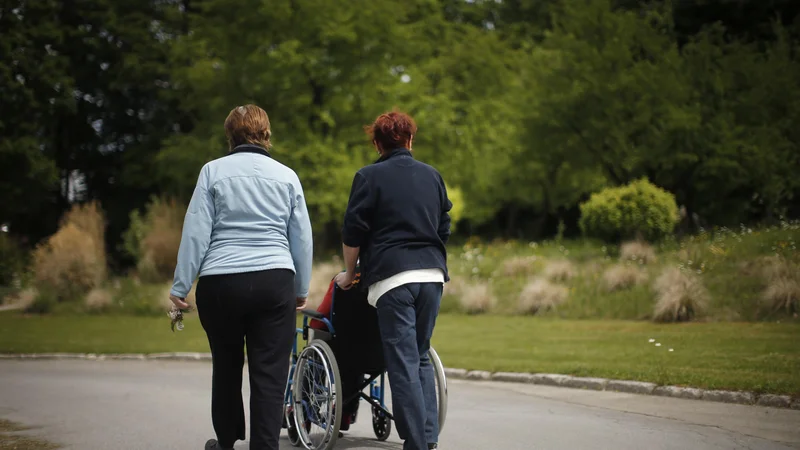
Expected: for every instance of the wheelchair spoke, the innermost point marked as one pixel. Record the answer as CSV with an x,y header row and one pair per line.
x,y
317,385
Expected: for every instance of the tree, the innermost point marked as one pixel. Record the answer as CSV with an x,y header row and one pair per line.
x,y
83,85
29,72
736,157
323,69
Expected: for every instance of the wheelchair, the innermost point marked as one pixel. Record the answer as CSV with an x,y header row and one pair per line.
x,y
340,361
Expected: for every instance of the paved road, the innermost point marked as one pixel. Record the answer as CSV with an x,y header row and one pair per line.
x,y
165,405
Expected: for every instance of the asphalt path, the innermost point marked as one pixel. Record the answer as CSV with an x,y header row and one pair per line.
x,y
166,405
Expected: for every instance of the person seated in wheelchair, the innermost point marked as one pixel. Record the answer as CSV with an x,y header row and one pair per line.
x,y
355,341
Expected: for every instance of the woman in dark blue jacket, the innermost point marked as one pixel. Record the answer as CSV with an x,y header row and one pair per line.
x,y
397,223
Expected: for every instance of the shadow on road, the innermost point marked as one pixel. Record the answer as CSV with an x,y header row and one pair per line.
x,y
344,443
359,443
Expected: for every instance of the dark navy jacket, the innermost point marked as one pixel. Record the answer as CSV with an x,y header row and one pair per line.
x,y
398,216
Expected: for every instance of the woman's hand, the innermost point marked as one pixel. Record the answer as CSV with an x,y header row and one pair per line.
x,y
345,280
179,302
301,302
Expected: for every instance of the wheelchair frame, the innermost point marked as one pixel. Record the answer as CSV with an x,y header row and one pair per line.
x,y
381,416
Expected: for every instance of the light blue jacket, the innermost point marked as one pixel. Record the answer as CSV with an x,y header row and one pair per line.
x,y
247,214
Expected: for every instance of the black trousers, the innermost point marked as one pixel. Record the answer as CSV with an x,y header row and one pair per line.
x,y
257,308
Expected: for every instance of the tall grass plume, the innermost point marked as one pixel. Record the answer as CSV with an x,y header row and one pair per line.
x,y
455,287
519,265
680,296
782,285
623,276
541,295
72,261
154,239
98,299
638,251
559,270
478,298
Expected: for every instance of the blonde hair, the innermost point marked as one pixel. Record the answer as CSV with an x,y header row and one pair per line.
x,y
248,124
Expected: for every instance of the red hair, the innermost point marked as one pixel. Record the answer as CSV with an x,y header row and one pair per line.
x,y
392,130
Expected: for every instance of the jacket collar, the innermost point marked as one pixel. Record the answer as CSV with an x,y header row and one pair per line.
x,y
396,152
250,148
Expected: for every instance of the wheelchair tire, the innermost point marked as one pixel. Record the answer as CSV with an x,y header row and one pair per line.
x,y
441,386
381,424
288,410
291,428
317,361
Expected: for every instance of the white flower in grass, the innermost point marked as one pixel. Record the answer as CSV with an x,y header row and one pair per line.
x,y
658,344
671,350
651,341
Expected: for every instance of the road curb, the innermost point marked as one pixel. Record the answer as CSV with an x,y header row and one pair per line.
x,y
775,401
545,379
631,387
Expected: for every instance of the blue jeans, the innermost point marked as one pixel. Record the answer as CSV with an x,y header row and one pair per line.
x,y
407,315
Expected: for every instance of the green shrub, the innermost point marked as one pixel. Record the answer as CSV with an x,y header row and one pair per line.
x,y
134,235
457,199
12,260
637,210
44,302
153,239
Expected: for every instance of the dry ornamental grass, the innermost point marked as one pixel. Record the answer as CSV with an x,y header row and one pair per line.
x,y
783,295
519,265
68,262
623,276
98,299
455,286
561,270
541,295
782,281
161,242
72,261
680,296
477,298
638,251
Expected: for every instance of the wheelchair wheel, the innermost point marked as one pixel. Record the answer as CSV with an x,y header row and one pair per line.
x,y
316,391
288,411
291,427
381,424
441,386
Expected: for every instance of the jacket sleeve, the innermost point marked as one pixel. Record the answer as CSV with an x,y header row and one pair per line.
x,y
196,237
444,219
359,211
301,243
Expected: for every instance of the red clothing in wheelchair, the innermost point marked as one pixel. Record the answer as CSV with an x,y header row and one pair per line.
x,y
324,308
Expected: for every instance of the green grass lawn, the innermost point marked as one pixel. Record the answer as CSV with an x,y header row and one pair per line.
x,y
729,264
762,357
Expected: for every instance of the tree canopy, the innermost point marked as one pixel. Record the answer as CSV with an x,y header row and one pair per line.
x,y
526,107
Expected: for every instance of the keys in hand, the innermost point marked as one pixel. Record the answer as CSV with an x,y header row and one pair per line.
x,y
176,316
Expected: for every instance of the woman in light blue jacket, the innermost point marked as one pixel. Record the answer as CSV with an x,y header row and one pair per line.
x,y
247,235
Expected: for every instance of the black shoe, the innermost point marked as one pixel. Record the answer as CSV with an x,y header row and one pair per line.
x,y
433,446
212,444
